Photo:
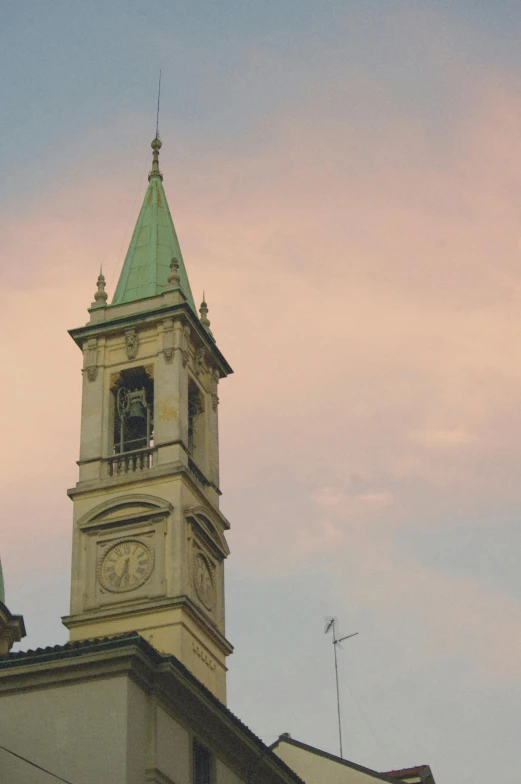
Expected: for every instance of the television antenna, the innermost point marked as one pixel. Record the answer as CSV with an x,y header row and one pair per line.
x,y
331,625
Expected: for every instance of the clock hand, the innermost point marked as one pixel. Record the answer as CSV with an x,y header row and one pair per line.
x,y
125,572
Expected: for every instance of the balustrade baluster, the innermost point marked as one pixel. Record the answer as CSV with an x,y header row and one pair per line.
x,y
129,463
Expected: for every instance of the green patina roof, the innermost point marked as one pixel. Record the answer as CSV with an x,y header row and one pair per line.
x,y
154,243
2,589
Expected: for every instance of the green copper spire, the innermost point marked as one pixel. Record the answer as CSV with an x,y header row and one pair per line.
x,y
2,589
154,244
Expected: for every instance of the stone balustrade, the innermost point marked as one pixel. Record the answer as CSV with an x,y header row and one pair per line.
x,y
130,462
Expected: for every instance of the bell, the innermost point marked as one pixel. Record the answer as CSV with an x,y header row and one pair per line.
x,y
137,411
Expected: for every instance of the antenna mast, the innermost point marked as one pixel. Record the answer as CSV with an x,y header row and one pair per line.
x,y
158,99
332,625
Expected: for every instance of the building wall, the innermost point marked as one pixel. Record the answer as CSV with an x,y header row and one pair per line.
x,y
224,775
138,732
170,747
76,730
109,727
314,768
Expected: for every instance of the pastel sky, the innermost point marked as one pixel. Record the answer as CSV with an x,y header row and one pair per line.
x,y
345,179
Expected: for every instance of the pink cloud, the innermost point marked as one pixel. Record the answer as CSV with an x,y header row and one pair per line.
x,y
369,299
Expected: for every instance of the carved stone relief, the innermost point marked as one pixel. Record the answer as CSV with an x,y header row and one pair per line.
x,y
213,380
91,359
168,339
131,343
199,361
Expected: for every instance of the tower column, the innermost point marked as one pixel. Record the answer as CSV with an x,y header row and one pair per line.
x,y
170,395
213,429
91,435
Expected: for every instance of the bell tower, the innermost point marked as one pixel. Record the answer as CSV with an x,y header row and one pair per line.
x,y
148,537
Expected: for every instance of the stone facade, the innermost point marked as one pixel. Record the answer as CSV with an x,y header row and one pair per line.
x,y
118,711
160,502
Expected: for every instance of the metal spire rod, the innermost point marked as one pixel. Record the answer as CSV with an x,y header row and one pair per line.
x,y
158,99
336,641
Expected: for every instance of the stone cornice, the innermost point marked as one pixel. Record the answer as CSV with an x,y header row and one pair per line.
x,y
150,316
209,528
92,486
156,606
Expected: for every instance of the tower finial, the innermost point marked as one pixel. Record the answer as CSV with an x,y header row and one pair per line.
x,y
156,146
156,142
203,310
100,297
174,278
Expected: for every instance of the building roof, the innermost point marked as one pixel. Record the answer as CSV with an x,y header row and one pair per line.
x,y
286,738
423,772
69,649
153,245
415,770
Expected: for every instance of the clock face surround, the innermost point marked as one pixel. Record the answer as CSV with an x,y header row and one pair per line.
x,y
126,565
203,581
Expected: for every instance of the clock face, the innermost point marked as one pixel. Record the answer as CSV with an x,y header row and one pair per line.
x,y
203,581
126,566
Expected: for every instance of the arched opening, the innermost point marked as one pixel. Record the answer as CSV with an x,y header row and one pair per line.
x,y
133,411
196,434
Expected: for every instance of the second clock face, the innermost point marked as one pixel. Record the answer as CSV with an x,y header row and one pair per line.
x,y
126,566
203,581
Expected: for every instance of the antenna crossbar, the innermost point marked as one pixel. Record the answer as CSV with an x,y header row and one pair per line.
x,y
335,642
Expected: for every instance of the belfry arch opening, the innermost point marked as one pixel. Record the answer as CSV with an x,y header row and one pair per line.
x,y
196,429
133,410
